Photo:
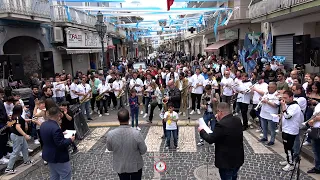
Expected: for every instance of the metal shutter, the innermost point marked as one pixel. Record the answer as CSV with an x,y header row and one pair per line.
x,y
284,47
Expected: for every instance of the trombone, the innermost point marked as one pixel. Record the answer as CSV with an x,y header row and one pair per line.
x,y
249,88
312,118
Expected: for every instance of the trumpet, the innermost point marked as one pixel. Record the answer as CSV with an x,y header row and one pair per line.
x,y
312,118
260,103
249,88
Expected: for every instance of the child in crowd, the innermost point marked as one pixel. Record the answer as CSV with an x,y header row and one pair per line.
x,y
134,108
171,118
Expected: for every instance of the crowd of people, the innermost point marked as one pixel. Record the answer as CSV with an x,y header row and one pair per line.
x,y
280,99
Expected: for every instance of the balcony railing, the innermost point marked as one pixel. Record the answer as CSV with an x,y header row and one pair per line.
x,y
269,6
65,14
35,8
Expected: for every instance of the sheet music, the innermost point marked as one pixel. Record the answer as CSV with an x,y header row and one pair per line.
x,y
69,133
203,125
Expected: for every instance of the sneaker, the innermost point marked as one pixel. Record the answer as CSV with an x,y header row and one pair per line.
x,y
162,137
249,123
141,112
45,162
145,115
10,143
192,112
10,171
30,162
36,141
107,114
40,154
89,119
270,144
283,163
138,128
277,130
261,135
30,150
20,154
177,147
90,113
167,147
263,140
256,119
306,143
258,130
200,143
183,114
288,167
198,111
4,160
235,114
212,144
100,115
180,113
313,171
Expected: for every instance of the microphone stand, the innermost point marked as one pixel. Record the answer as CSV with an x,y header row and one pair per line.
x,y
188,109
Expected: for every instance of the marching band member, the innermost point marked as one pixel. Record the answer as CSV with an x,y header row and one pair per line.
x,y
156,99
270,105
112,95
73,91
84,92
244,97
196,91
118,87
104,88
94,83
137,84
147,93
227,90
291,121
211,81
58,90
183,85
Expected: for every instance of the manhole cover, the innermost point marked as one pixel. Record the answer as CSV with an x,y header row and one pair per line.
x,y
207,173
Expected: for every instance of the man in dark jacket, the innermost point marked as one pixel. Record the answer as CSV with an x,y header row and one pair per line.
x,y
55,146
228,139
4,135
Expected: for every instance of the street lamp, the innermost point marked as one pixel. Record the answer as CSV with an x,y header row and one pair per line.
x,y
101,29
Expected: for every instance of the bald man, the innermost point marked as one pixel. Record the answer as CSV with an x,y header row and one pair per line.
x,y
290,80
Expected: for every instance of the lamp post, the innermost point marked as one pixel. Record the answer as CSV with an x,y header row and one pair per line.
x,y
101,29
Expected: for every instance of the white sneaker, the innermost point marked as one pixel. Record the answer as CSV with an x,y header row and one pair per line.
x,y
90,112
40,154
10,143
288,167
30,150
4,160
36,141
183,114
141,112
107,114
236,114
261,135
192,112
100,115
145,115
277,130
149,105
138,128
45,162
283,163
20,154
249,123
258,130
306,143
180,113
198,111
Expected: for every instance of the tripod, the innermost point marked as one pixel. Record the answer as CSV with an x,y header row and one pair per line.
x,y
297,158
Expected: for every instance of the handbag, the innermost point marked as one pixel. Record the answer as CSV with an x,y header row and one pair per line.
x,y
314,133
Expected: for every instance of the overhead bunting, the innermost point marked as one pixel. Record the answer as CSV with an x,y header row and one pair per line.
x,y
169,4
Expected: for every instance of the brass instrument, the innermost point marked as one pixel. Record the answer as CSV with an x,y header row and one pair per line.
x,y
230,86
311,118
86,97
120,94
249,88
260,102
100,96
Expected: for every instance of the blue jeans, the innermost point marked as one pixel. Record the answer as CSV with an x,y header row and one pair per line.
x,y
296,145
85,107
146,103
228,174
316,152
209,117
58,100
60,171
134,116
265,123
19,144
175,137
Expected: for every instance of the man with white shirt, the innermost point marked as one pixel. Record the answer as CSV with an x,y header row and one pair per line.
x,y
148,92
244,97
104,88
137,84
211,81
196,90
221,68
270,105
293,75
291,120
58,90
73,91
117,85
258,91
227,90
84,91
172,73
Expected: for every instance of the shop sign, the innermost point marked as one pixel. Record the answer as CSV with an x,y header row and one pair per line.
x,y
77,38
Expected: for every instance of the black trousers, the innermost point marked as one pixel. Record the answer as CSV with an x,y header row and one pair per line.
x,y
74,101
3,142
93,101
288,142
104,105
131,176
152,110
244,111
194,98
113,98
226,99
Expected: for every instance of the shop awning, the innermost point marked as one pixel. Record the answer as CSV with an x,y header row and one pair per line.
x,y
82,51
217,45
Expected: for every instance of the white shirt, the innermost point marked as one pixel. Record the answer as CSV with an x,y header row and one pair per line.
x,y
83,89
117,85
245,97
73,87
211,82
305,85
302,103
172,125
197,79
163,75
21,103
176,77
60,93
103,88
9,108
292,119
138,81
227,91
316,110
108,78
274,67
256,96
223,69
267,110
189,80
289,81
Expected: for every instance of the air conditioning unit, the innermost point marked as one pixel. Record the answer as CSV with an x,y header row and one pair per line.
x,y
57,36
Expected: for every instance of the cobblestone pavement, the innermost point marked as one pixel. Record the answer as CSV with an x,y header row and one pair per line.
x,y
189,162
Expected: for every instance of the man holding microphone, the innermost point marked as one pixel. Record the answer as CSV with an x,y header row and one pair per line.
x,y
55,146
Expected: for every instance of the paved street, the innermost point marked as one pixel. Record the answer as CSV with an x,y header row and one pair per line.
x,y
189,162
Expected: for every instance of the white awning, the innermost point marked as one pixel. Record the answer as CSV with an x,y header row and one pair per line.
x,y
83,51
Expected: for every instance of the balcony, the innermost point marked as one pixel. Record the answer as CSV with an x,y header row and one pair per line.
x,y
267,7
25,10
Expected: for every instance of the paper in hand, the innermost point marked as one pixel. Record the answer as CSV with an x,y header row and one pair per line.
x,y
275,118
203,125
69,133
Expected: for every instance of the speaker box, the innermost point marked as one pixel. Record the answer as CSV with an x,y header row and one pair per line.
x,y
4,66
16,67
80,123
301,49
